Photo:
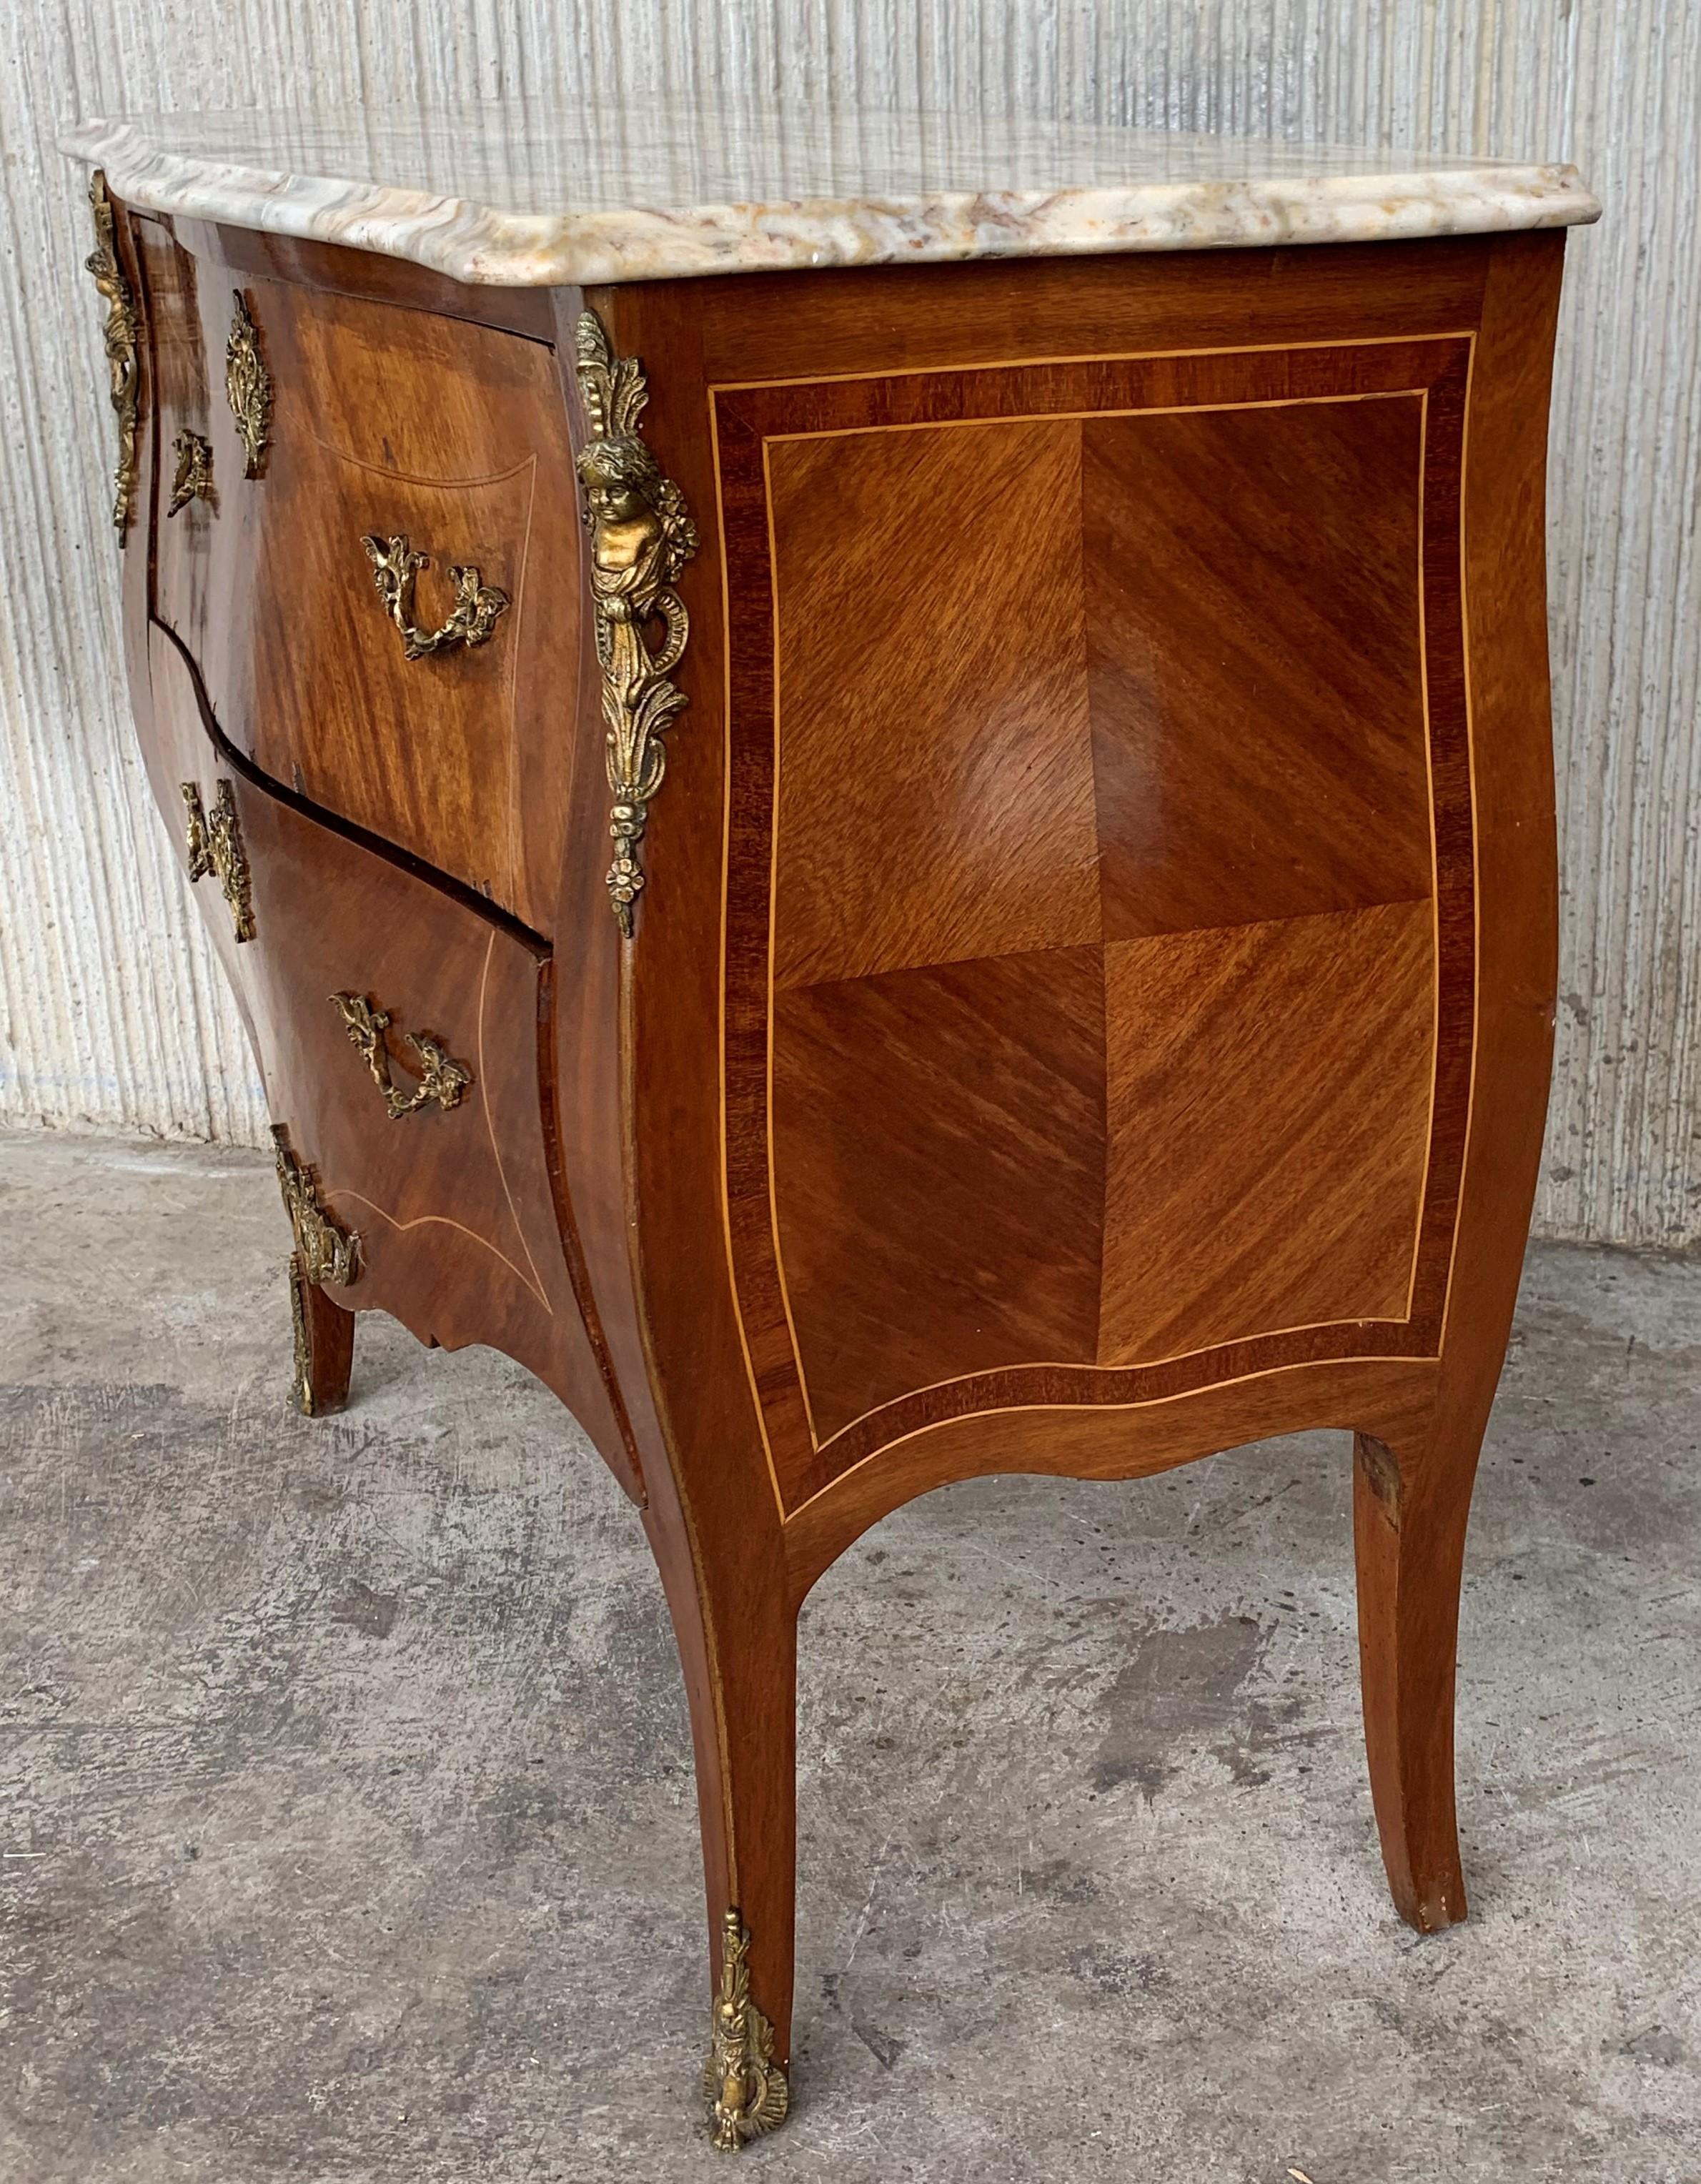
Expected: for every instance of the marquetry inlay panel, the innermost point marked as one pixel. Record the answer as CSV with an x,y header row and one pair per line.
x,y
1117,976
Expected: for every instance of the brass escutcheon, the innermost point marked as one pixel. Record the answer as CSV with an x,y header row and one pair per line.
x,y
192,480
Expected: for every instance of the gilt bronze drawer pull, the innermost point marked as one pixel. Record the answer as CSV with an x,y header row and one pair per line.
x,y
214,844
441,1078
395,565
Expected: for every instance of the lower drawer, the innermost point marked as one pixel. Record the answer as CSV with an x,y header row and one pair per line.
x,y
405,1042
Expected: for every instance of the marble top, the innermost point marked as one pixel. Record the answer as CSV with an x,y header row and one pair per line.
x,y
532,193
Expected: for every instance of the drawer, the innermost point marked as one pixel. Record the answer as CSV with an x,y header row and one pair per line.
x,y
430,711
405,1043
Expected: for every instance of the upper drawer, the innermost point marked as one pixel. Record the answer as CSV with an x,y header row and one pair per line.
x,y
445,737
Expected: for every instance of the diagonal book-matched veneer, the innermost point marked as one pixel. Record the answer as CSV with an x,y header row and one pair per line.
x,y
935,858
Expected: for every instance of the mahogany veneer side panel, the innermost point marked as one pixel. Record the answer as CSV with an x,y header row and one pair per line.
x,y
936,794
1268,1126
1511,780
1420,384
1257,678
934,1130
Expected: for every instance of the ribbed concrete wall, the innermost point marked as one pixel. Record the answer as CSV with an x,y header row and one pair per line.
x,y
111,1012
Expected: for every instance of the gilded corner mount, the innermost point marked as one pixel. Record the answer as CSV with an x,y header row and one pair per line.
x,y
745,2089
324,1252
248,386
641,538
119,335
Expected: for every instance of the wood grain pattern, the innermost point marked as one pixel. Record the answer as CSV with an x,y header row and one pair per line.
x,y
180,544
386,420
326,1336
930,607
1394,1397
1411,1509
1267,1125
1069,1022
1247,761
1255,662
933,1132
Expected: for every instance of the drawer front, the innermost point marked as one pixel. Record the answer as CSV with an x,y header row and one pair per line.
x,y
405,1042
196,437
413,685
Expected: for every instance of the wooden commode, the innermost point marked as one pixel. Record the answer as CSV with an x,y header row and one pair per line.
x,y
886,808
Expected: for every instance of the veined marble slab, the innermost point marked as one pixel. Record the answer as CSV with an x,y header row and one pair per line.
x,y
536,194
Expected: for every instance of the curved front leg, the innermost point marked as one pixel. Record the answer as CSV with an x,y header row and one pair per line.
x,y
1410,1507
738,1648
324,1345
1412,1492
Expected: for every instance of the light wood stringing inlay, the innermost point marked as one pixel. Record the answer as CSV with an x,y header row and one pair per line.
x,y
1284,794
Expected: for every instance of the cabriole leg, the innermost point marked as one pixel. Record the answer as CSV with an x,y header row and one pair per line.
x,y
1410,1507
324,1346
737,1648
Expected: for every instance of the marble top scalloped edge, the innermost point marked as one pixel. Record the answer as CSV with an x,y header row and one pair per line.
x,y
484,245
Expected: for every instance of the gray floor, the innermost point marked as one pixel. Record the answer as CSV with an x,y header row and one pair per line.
x,y
346,1816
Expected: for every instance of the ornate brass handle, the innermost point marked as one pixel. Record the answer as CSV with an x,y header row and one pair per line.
x,y
214,844
395,565
440,1078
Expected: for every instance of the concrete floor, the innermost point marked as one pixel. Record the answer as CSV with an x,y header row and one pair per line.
x,y
347,1826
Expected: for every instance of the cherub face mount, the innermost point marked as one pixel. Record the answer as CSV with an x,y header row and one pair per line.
x,y
641,538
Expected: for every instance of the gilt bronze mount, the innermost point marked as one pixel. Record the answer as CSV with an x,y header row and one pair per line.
x,y
248,386
119,334
441,1078
395,569
192,479
745,2088
325,1251
641,538
214,842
